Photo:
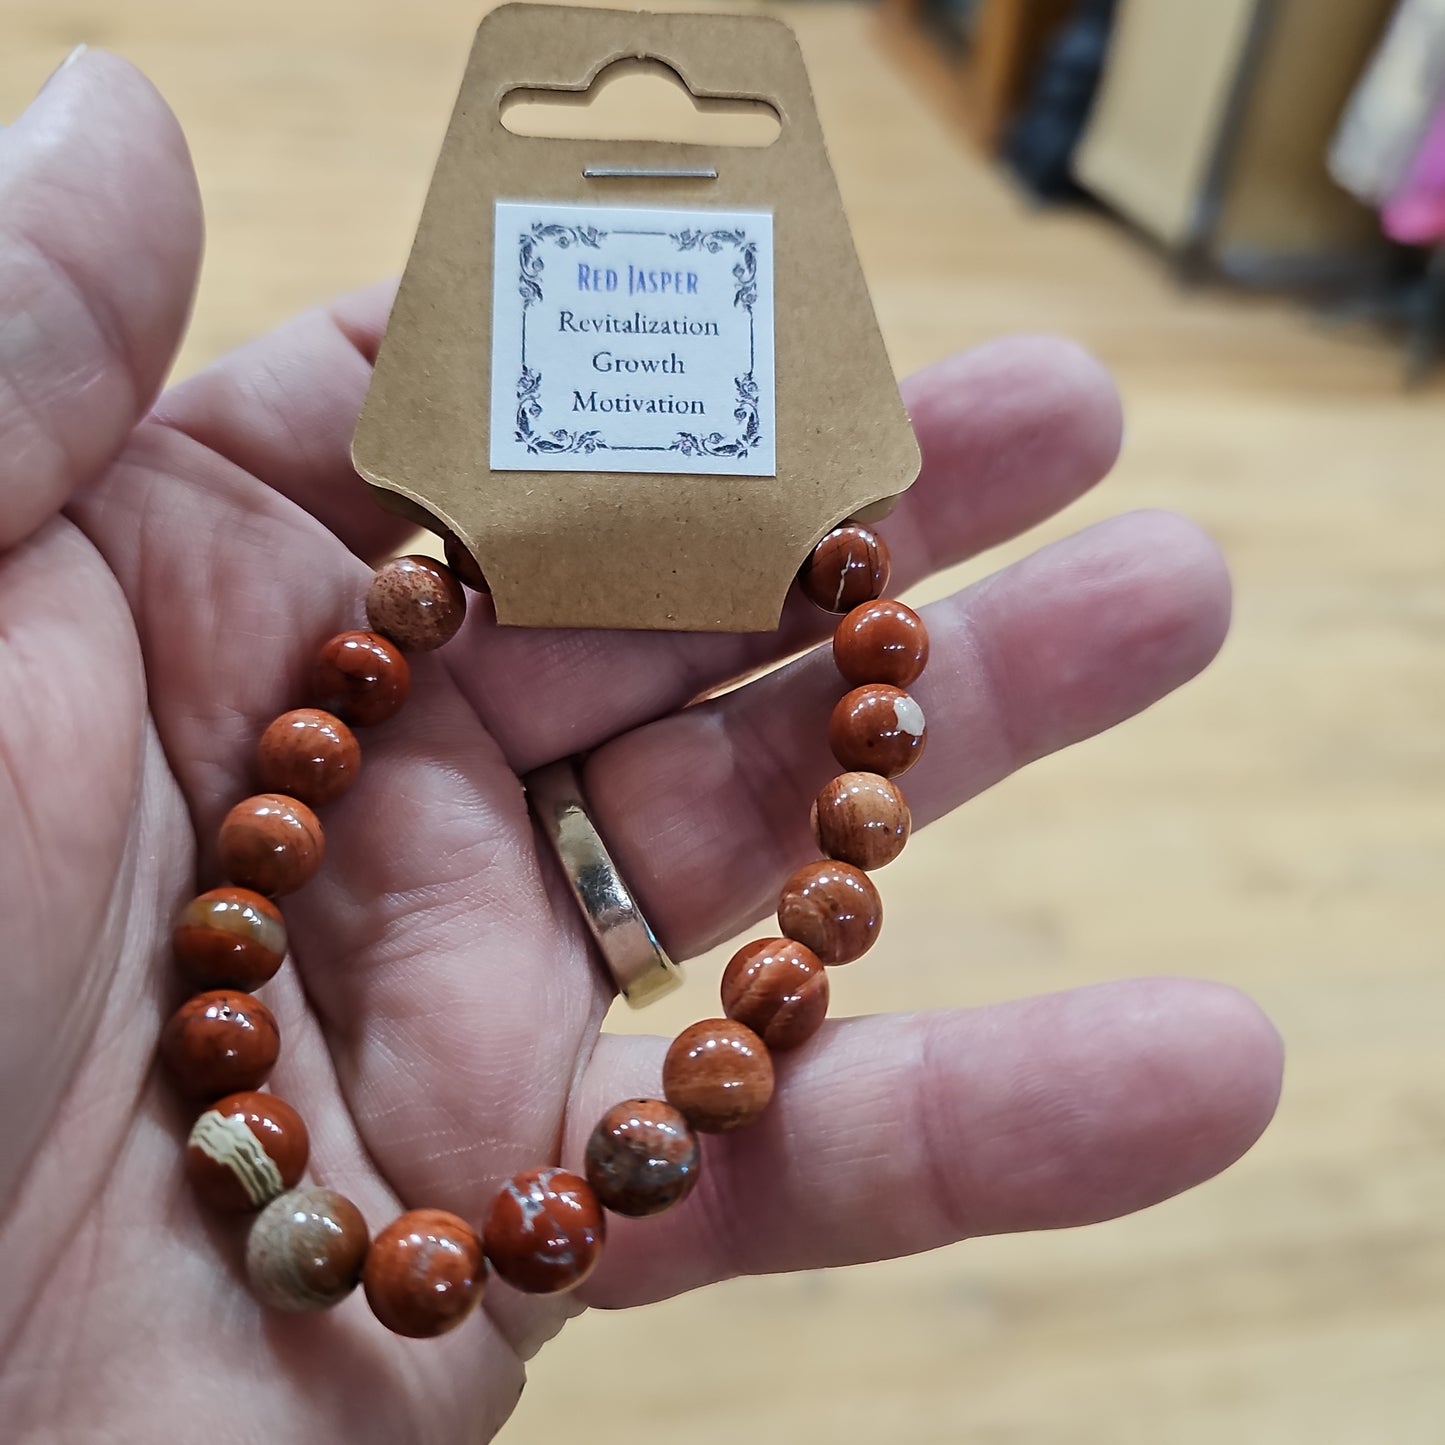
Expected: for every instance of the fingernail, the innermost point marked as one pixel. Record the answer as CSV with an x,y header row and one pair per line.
x,y
65,64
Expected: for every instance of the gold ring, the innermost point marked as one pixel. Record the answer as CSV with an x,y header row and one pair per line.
x,y
638,963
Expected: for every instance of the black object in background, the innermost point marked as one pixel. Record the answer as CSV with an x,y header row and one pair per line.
x,y
1041,140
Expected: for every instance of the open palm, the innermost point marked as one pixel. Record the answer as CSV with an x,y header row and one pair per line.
x,y
165,578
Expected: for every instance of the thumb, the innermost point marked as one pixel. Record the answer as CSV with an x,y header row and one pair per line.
x,y
100,241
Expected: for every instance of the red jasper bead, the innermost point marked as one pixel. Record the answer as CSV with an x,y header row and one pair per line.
x,y
245,1150
361,678
271,843
417,602
718,1075
310,754
545,1231
862,819
424,1273
877,729
464,564
642,1158
850,565
778,988
229,937
220,1043
832,908
881,641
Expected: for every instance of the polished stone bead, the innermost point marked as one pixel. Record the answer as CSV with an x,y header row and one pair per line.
x,y
361,678
545,1231
229,937
245,1150
308,754
417,602
877,729
464,564
305,1251
424,1273
718,1075
221,1042
271,843
832,908
778,988
849,566
642,1158
881,641
862,819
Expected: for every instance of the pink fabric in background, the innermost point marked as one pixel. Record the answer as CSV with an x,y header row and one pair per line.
x,y
1415,214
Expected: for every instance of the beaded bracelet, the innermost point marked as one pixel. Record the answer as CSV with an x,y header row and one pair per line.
x,y
425,1271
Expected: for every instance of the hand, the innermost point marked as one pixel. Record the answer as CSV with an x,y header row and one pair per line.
x,y
165,579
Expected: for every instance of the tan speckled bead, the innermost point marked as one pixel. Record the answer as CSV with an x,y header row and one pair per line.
x,y
417,602
219,1043
305,1251
778,988
877,729
245,1150
881,641
862,819
832,908
271,843
849,566
309,754
229,938
718,1075
424,1273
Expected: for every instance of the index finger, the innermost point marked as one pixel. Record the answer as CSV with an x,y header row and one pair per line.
x,y
1010,433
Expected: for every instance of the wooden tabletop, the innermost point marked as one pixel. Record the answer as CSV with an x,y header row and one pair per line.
x,y
1279,824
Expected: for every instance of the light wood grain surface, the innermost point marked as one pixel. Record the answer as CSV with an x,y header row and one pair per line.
x,y
1280,824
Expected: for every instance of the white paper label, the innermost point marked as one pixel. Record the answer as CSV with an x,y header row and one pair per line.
x,y
631,340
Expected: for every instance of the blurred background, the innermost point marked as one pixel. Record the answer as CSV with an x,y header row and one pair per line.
x,y
1239,206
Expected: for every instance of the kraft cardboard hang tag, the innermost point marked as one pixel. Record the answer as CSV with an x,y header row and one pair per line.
x,y
639,379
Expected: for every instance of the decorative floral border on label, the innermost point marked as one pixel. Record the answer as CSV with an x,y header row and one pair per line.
x,y
530,265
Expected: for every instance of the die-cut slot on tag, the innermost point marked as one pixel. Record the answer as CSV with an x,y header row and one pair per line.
x,y
636,370
639,100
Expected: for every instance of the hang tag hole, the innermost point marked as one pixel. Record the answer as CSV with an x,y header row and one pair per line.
x,y
634,100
